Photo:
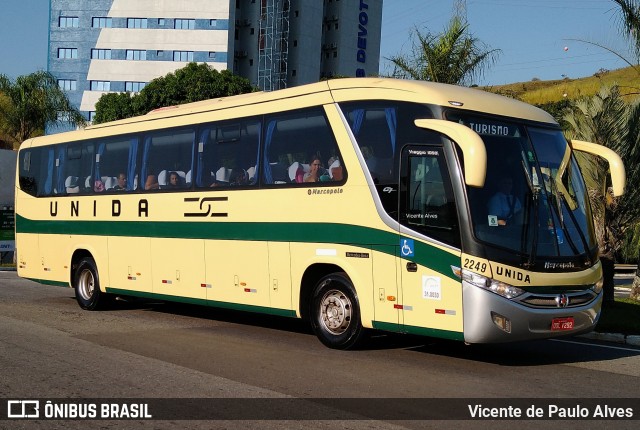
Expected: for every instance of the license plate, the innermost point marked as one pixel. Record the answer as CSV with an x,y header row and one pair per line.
x,y
559,324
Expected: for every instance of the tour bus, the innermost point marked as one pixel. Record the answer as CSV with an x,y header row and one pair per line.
x,y
356,204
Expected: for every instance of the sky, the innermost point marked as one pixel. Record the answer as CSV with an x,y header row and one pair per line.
x,y
544,39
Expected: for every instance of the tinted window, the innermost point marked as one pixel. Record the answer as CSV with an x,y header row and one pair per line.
x,y
381,129
116,165
168,155
77,168
28,169
300,148
228,154
427,203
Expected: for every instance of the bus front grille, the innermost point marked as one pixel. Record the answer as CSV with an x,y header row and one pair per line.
x,y
558,300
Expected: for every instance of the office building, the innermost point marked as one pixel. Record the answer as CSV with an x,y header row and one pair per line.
x,y
103,46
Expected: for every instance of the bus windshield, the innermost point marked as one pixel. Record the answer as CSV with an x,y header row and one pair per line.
x,y
534,201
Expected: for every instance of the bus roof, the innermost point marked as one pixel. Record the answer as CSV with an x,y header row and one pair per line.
x,y
346,89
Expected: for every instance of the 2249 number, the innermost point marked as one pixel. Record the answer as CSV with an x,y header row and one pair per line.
x,y
472,264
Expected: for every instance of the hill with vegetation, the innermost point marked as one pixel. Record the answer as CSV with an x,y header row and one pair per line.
x,y
539,92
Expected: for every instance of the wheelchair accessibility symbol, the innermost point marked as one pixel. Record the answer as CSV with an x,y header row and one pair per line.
x,y
406,247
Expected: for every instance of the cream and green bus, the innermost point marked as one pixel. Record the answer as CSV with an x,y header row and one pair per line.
x,y
354,203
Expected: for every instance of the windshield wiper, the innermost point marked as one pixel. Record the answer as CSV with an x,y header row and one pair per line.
x,y
560,202
583,239
535,193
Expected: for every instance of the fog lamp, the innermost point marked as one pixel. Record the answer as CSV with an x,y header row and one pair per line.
x,y
501,321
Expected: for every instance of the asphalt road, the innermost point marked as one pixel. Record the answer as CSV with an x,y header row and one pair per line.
x,y
50,348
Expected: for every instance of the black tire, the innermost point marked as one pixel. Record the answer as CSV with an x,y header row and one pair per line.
x,y
335,314
87,286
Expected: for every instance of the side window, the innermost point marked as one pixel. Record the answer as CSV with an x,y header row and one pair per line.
x,y
228,154
28,163
77,167
46,170
167,160
116,162
427,201
381,129
300,148
42,170
58,177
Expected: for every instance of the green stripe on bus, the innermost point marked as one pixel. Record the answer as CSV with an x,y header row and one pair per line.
x,y
346,234
48,282
422,331
204,302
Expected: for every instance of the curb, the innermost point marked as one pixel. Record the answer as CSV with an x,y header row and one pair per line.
x,y
613,337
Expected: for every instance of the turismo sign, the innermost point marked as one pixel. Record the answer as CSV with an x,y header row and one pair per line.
x,y
485,126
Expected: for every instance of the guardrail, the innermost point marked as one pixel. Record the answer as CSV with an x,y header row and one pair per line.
x,y
626,269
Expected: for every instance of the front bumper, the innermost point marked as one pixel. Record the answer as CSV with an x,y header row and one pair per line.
x,y
526,322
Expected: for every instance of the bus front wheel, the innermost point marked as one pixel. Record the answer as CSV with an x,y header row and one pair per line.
x,y
335,315
87,286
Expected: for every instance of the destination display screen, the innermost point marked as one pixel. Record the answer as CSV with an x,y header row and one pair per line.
x,y
485,126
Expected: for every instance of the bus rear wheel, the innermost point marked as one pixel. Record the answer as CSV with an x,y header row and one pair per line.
x,y
335,314
87,286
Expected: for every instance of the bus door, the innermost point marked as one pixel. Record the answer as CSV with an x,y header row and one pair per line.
x,y
431,298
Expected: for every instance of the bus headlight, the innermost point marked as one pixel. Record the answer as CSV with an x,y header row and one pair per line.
x,y
500,288
597,287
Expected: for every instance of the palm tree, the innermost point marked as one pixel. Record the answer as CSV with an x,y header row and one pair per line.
x,y
630,22
607,120
452,57
630,28
32,102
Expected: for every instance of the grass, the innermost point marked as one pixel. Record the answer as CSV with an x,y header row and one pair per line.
x,y
621,316
540,92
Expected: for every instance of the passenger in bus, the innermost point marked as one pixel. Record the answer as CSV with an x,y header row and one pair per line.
x,y
122,182
98,186
238,177
151,183
315,173
175,181
504,205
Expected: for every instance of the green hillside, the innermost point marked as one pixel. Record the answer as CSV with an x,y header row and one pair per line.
x,y
540,92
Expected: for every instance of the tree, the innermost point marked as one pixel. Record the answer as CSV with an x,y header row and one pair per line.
x,y
192,83
32,102
452,57
112,106
630,22
607,120
630,28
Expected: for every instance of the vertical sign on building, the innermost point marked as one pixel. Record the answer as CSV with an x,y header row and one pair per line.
x,y
361,53
7,229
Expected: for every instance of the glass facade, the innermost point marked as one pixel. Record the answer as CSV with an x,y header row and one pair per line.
x,y
100,34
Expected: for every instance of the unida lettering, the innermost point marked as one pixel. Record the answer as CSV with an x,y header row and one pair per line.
x,y
513,274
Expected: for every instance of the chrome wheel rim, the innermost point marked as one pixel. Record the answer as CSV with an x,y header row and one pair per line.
x,y
86,284
335,312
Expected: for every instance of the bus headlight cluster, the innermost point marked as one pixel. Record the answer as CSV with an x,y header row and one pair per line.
x,y
597,287
500,288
